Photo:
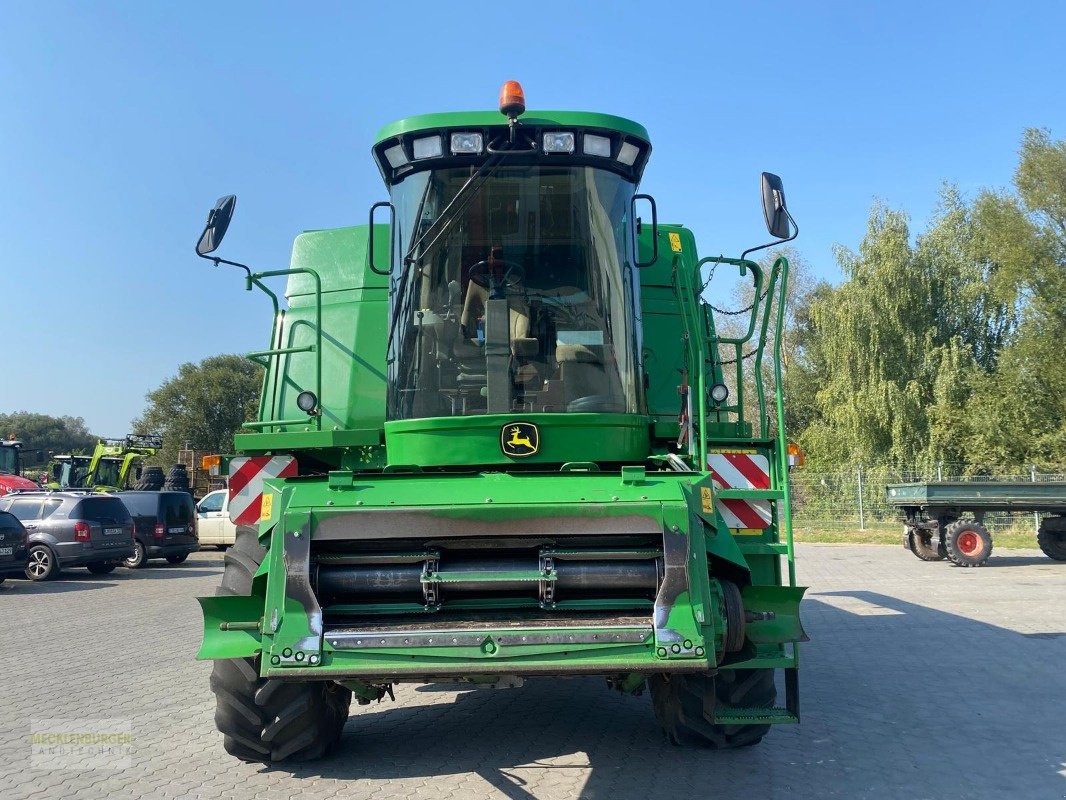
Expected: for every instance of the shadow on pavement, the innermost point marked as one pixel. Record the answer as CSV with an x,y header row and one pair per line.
x,y
1022,561
899,700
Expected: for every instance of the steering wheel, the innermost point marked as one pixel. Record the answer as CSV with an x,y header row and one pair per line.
x,y
513,274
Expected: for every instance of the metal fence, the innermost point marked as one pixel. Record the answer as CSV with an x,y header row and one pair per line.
x,y
855,499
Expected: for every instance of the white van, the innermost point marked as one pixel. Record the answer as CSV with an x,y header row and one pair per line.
x,y
213,522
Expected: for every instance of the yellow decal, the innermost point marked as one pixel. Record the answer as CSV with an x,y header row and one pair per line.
x,y
675,242
747,531
706,500
519,439
268,506
731,451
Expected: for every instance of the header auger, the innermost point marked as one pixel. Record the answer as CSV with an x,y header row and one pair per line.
x,y
469,462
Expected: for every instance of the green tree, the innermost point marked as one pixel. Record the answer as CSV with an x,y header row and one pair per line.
x,y
42,434
1017,413
903,336
202,406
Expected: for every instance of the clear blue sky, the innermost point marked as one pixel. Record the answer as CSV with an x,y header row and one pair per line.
x,y
123,122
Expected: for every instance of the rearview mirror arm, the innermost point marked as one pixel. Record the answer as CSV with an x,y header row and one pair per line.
x,y
216,261
795,233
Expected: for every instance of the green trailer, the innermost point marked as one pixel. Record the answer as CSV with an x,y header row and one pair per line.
x,y
945,519
499,437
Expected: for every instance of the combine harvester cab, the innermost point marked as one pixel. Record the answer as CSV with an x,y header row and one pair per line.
x,y
500,438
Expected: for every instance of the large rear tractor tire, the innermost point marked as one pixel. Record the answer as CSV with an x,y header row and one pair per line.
x,y
1052,538
969,544
923,545
679,702
151,480
264,720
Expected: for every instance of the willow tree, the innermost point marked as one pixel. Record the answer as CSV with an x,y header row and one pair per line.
x,y
1017,412
901,338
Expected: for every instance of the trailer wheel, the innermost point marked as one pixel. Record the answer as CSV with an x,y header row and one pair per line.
x,y
1052,538
969,544
921,544
681,702
266,720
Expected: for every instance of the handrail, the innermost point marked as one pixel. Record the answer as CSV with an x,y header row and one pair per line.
x,y
781,264
255,279
776,290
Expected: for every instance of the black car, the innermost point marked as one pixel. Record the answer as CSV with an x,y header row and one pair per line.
x,y
164,526
12,545
71,529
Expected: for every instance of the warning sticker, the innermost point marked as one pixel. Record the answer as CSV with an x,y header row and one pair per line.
x,y
675,242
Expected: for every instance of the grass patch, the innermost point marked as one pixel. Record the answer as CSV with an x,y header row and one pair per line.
x,y
1017,537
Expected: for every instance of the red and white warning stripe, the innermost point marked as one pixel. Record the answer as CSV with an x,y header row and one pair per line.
x,y
246,476
733,470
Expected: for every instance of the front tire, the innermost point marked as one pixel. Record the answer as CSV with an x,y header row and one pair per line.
x,y
969,544
139,557
267,720
680,700
1052,538
42,564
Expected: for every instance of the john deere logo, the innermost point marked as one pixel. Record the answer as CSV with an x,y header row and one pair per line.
x,y
519,439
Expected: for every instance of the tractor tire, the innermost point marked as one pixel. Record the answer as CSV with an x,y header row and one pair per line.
x,y
177,479
151,480
679,701
923,546
969,544
264,720
1052,538
177,559
101,567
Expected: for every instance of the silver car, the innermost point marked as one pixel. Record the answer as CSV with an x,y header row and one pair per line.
x,y
71,529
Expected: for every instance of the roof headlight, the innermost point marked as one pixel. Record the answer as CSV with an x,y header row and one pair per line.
x,y
396,156
559,142
719,393
428,147
467,143
628,153
596,145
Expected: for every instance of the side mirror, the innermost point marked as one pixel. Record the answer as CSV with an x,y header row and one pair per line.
x,y
773,206
217,224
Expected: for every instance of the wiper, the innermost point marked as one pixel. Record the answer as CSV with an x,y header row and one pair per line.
x,y
447,218
451,213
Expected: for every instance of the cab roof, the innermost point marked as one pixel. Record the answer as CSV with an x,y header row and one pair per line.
x,y
484,119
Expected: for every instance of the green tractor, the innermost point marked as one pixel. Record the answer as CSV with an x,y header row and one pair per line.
x,y
111,467
499,438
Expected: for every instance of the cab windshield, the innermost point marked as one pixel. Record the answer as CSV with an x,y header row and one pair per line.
x,y
8,460
518,297
107,472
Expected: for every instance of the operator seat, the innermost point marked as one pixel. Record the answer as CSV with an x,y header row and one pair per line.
x,y
587,369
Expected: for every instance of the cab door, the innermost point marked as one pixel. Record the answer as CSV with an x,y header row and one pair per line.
x,y
211,518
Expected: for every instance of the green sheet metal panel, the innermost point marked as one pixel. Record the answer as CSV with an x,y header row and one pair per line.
x,y
980,495
662,325
354,321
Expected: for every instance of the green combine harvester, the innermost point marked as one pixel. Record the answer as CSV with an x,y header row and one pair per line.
x,y
500,438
